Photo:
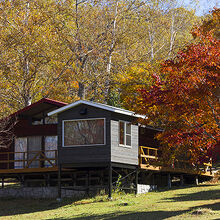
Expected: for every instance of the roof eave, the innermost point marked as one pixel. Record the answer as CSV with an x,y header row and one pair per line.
x,y
125,112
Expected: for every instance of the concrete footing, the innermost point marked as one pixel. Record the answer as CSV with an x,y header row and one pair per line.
x,y
39,193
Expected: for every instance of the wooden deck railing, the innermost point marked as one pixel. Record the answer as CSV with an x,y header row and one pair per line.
x,y
149,156
31,159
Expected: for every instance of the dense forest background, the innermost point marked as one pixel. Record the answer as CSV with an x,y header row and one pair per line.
x,y
154,57
83,49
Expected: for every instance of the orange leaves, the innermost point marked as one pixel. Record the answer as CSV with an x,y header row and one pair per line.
x,y
185,95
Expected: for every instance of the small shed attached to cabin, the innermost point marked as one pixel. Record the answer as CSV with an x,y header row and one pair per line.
x,y
34,132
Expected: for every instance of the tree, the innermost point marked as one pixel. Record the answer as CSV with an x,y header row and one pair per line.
x,y
161,32
185,99
7,131
27,50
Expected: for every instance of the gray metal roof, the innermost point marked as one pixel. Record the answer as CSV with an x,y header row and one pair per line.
x,y
97,105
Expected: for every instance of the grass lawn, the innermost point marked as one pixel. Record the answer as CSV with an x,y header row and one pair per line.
x,y
201,202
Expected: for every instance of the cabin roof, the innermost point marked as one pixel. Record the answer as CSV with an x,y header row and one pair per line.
x,y
36,109
97,105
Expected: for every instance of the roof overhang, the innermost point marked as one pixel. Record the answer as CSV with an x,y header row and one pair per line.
x,y
97,105
39,108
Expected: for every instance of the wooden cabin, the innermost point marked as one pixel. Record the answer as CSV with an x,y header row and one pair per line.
x,y
86,144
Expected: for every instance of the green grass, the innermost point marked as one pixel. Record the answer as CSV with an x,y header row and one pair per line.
x,y
202,202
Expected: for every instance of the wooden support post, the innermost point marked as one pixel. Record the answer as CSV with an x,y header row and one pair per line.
x,y
3,182
48,179
72,179
181,180
41,159
45,179
197,180
22,180
42,162
110,181
59,182
169,180
136,179
153,179
102,178
88,181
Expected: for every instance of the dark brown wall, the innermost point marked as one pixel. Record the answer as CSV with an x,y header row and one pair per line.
x,y
24,128
147,137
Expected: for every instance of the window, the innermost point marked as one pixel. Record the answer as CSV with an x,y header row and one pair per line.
x,y
125,133
51,120
48,120
84,132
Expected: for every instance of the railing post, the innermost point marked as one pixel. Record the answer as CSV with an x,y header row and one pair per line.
x,y
24,159
56,157
40,158
139,155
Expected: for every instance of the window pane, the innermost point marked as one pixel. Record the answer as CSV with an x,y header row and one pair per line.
x,y
51,120
128,140
83,132
122,132
128,128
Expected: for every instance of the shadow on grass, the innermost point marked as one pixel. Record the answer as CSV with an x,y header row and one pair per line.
x,y
202,195
159,215
213,207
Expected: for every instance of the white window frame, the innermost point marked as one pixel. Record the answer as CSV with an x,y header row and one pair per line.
x,y
84,119
125,144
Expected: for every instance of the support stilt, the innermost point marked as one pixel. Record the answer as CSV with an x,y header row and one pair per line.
x,y
181,180
110,182
136,179
3,182
197,180
59,183
169,180
88,182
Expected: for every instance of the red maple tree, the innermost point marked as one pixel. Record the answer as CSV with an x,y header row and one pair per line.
x,y
185,97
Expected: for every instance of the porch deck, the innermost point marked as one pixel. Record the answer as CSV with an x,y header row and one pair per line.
x,y
46,162
149,160
31,162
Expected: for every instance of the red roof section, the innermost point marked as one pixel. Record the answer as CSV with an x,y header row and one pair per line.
x,y
44,100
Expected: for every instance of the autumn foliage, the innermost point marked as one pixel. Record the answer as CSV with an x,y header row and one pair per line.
x,y
185,99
